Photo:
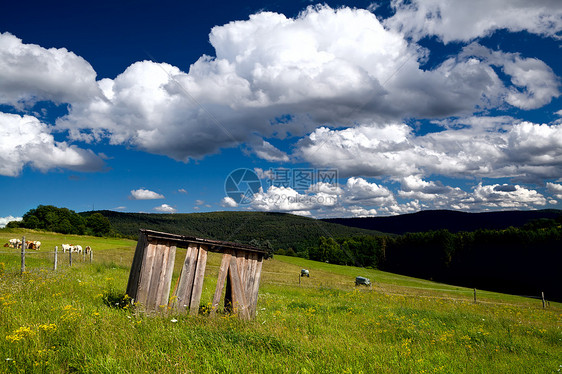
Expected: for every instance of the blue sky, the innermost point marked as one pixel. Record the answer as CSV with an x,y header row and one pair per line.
x,y
145,106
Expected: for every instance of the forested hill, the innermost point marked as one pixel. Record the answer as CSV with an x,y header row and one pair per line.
x,y
453,221
281,230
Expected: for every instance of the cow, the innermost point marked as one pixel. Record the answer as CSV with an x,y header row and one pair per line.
x,y
36,245
305,273
362,281
87,250
15,243
71,248
6,245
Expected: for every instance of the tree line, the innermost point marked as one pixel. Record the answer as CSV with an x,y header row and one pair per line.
x,y
523,260
64,221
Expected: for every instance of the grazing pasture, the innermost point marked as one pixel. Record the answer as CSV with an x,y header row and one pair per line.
x,y
56,322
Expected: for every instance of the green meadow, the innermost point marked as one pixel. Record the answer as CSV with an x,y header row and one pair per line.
x,y
59,322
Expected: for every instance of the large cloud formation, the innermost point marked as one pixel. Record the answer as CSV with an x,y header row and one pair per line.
x,y
522,150
276,76
361,198
342,82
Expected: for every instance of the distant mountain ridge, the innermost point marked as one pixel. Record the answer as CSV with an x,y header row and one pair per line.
x,y
280,229
454,221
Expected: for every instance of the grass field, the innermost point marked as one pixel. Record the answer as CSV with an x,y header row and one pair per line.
x,y
56,322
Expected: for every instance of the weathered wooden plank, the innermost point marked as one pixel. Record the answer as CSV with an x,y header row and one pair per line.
x,y
166,276
160,255
185,287
250,276
223,272
198,281
134,275
239,303
146,273
241,263
164,249
254,293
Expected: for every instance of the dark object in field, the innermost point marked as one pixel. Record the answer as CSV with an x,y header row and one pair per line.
x,y
305,273
362,281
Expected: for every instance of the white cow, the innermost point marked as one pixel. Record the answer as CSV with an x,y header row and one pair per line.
x,y
71,248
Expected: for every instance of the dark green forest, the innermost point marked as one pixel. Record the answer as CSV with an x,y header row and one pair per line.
x,y
524,261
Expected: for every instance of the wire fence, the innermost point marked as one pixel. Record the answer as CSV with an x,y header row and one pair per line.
x,y
75,254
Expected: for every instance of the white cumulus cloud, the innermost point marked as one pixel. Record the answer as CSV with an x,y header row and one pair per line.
x,y
24,140
555,189
165,208
459,20
4,220
229,202
30,73
144,194
521,150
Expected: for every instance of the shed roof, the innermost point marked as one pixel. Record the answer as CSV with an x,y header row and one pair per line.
x,y
214,245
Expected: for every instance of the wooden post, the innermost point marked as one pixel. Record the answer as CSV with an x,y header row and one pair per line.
x,y
254,295
198,281
475,295
91,255
134,275
300,279
56,258
239,302
185,282
543,302
22,255
70,257
223,272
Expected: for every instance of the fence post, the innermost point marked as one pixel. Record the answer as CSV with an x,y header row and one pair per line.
x,y
70,257
91,255
475,295
543,303
22,255
56,257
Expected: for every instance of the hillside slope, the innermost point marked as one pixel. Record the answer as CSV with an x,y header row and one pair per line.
x,y
282,230
453,221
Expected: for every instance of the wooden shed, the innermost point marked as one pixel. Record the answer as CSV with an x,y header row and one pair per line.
x,y
153,265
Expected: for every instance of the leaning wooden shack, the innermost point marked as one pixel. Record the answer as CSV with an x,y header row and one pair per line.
x,y
153,265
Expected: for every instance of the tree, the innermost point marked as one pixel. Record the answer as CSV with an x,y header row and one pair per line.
x,y
98,224
32,222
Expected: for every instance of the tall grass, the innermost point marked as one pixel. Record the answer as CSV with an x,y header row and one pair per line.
x,y
56,322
